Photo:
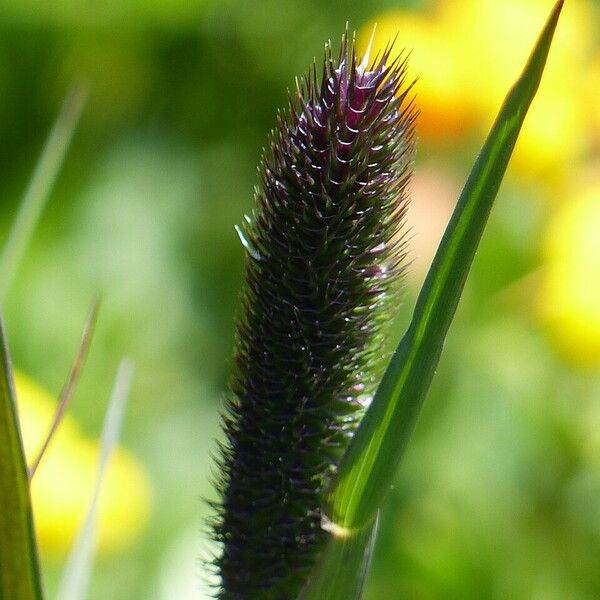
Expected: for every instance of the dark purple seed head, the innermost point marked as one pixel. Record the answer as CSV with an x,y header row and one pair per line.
x,y
324,258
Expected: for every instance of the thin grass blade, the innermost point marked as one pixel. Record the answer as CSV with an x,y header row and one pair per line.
x,y
77,572
40,186
342,570
367,468
19,568
67,391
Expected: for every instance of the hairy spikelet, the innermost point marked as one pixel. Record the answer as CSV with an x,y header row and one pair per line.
x,y
325,252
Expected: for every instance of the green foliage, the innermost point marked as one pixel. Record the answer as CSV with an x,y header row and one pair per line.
x,y
19,569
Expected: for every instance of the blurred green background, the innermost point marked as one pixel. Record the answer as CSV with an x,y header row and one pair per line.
x,y
499,495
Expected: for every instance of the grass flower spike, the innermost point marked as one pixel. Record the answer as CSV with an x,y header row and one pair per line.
x,y
324,258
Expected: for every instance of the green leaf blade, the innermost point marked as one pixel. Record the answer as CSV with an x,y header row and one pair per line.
x,y
19,569
40,186
365,473
76,576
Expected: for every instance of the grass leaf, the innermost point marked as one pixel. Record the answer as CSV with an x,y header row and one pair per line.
x,y
67,391
343,567
77,572
19,569
367,468
40,186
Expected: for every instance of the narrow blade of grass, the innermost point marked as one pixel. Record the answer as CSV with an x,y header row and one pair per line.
x,y
67,391
366,470
19,569
40,185
77,572
343,567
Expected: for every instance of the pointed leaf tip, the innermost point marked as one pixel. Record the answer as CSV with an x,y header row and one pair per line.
x,y
366,470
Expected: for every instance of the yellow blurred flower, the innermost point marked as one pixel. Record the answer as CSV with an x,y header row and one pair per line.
x,y
63,484
553,138
497,38
443,93
569,296
592,98
468,53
